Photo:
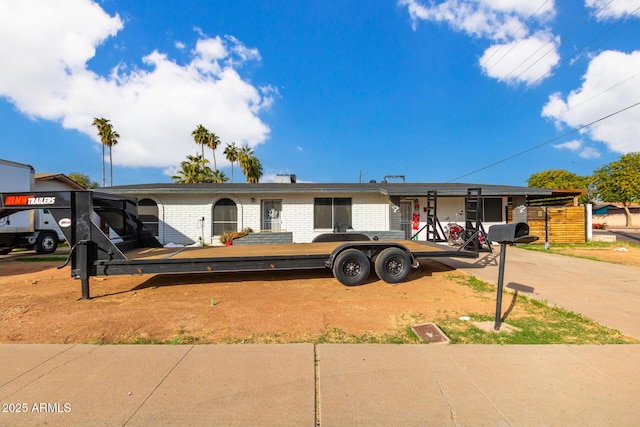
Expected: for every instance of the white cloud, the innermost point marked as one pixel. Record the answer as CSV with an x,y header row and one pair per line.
x,y
528,60
153,109
605,9
610,84
520,52
573,145
589,153
578,146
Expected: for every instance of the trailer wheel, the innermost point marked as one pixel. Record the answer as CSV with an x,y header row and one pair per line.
x,y
46,243
351,267
393,265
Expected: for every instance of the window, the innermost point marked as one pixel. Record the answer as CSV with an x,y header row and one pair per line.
x,y
331,212
492,209
148,214
225,217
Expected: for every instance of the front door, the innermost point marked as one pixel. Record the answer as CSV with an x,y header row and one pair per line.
x,y
271,215
406,217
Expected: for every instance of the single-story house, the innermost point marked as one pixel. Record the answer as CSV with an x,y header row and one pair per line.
x,y
613,209
188,213
613,214
55,182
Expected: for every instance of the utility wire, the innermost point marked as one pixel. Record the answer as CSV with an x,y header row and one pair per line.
x,y
561,66
512,36
578,51
578,129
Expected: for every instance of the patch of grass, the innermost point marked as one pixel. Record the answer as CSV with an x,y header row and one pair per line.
x,y
472,282
52,258
403,335
337,336
537,323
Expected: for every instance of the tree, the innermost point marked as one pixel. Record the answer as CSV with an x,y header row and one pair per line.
x,y
619,181
101,124
250,164
254,172
193,170
83,180
558,179
108,138
213,141
200,136
219,177
231,154
112,140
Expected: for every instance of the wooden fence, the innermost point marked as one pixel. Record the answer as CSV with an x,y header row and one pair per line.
x,y
558,224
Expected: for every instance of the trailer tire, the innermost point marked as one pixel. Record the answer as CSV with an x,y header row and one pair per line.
x,y
351,267
393,265
46,243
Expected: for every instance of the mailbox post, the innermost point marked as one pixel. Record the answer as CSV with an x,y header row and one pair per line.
x,y
506,235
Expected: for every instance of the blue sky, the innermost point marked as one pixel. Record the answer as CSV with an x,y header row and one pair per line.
x,y
333,91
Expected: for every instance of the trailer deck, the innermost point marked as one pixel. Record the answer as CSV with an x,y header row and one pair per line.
x,y
139,252
419,249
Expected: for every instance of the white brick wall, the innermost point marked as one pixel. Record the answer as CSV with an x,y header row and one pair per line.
x,y
180,215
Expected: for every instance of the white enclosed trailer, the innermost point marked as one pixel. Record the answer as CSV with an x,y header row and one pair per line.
x,y
27,229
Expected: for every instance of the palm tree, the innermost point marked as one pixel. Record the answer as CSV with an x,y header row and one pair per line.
x,y
213,141
200,136
254,172
250,164
101,124
113,140
193,170
231,154
218,177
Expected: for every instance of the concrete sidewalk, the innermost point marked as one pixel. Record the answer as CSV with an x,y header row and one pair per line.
x,y
328,385
353,385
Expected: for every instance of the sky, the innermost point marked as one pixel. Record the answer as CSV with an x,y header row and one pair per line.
x,y
474,91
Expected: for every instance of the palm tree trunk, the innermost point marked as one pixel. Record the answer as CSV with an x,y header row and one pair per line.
x,y
215,165
103,165
110,168
232,172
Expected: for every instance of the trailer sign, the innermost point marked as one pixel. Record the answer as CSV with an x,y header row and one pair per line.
x,y
28,200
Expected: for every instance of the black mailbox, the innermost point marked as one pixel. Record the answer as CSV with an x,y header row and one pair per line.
x,y
511,233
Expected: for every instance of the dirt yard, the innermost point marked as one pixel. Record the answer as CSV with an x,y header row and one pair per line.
x,y
621,253
40,304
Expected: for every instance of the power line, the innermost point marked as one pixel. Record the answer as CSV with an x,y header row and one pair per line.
x,y
577,23
578,129
512,36
578,51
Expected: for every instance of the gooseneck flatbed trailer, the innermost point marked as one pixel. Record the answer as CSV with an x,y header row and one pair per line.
x,y
137,251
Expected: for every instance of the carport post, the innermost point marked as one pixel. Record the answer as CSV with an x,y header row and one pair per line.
x,y
503,254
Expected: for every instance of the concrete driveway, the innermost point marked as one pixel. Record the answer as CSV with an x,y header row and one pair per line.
x,y
605,292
